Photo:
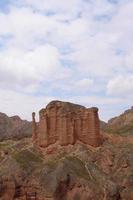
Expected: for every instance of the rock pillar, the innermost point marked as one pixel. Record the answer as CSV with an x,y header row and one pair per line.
x,y
43,138
34,127
94,127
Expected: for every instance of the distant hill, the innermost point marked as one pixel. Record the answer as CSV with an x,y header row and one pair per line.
x,y
14,127
122,124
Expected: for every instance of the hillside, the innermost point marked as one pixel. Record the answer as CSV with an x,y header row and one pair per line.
x,y
122,125
66,173
14,127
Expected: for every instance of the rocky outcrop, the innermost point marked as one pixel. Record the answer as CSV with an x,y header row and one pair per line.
x,y
121,125
14,127
66,123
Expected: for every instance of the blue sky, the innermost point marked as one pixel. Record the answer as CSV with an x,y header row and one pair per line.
x,y
75,50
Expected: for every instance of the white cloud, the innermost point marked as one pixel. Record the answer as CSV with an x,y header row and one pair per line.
x,y
29,67
67,48
83,84
16,103
55,6
25,26
121,85
129,61
75,86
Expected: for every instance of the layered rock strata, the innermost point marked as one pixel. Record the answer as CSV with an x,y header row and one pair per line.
x,y
66,123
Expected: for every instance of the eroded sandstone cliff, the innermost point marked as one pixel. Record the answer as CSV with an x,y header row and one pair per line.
x,y
66,123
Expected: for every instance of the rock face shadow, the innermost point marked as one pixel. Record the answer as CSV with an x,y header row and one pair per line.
x,y
61,190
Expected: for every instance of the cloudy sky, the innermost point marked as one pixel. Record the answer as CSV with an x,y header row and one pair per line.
x,y
74,50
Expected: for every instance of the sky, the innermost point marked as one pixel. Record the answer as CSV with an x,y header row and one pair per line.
x,y
76,50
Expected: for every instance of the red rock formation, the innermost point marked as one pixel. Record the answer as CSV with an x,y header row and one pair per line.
x,y
66,123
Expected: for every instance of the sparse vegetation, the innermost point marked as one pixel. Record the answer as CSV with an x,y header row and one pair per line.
x,y
77,166
27,160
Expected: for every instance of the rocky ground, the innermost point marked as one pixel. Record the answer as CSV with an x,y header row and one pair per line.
x,y
76,172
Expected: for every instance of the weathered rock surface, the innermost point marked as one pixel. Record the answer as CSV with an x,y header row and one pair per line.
x,y
66,123
121,125
14,127
69,172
